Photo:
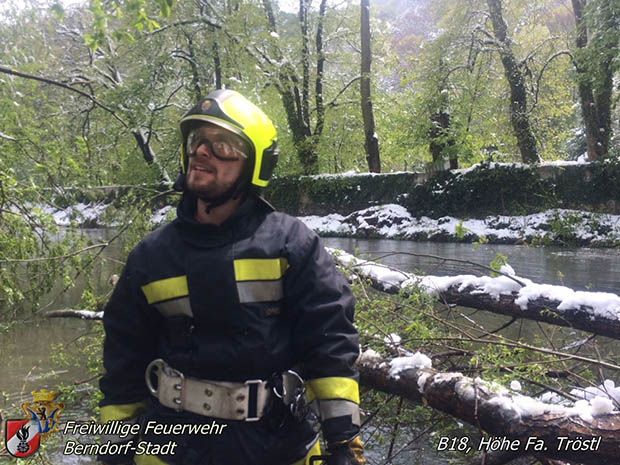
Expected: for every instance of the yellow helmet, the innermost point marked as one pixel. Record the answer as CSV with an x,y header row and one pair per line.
x,y
232,111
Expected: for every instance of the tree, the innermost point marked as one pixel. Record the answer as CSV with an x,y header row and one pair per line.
x,y
597,25
371,141
440,134
295,91
518,94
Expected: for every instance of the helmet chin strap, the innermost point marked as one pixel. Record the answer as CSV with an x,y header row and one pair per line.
x,y
238,189
234,192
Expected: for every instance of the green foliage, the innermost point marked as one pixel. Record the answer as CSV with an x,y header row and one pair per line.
x,y
498,261
460,231
144,62
594,186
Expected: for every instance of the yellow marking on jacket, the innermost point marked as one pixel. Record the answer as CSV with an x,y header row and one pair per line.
x,y
165,289
334,388
260,269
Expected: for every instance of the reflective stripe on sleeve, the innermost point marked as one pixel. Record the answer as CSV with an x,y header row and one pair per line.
x,y
260,279
333,388
339,408
122,411
165,289
175,307
260,269
260,291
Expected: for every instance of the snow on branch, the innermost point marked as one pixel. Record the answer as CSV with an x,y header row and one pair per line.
x,y
74,313
587,432
596,312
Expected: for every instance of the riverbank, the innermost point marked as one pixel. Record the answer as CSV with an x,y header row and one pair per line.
x,y
551,227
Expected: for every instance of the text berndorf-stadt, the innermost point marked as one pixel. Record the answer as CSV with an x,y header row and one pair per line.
x,y
121,431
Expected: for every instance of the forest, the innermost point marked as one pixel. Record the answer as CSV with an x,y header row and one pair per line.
x,y
91,95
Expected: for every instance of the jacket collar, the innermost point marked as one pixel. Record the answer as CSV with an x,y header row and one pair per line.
x,y
240,224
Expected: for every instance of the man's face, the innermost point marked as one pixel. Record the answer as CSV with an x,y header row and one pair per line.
x,y
216,158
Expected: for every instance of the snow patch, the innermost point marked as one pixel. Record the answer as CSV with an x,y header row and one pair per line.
x,y
370,356
598,304
415,361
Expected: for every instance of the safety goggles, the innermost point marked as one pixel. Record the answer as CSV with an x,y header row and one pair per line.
x,y
221,144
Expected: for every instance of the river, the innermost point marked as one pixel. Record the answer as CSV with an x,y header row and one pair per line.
x,y
25,350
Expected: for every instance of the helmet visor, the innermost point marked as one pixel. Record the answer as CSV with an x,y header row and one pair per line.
x,y
222,144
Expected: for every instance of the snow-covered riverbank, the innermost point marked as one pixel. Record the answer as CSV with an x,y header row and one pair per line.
x,y
395,222
549,227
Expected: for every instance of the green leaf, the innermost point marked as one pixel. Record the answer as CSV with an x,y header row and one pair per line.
x,y
123,36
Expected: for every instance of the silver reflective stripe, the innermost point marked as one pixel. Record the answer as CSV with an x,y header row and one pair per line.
x,y
175,307
339,408
116,438
259,291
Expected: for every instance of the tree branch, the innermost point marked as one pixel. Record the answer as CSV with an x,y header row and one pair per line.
x,y
64,86
203,20
5,137
333,103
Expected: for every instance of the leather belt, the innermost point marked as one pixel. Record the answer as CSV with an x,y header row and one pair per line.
x,y
245,401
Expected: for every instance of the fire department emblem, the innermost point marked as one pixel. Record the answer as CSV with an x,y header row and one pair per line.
x,y
205,105
23,436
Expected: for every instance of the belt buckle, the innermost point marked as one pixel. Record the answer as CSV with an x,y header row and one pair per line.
x,y
159,366
250,383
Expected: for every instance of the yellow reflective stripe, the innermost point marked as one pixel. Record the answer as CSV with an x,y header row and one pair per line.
x,y
122,411
144,459
260,269
165,289
315,450
333,388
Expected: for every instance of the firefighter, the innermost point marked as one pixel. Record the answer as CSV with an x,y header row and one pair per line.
x,y
232,318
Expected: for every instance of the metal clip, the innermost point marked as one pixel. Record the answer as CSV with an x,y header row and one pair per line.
x,y
159,366
294,394
156,367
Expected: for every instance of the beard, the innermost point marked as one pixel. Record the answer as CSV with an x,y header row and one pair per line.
x,y
213,190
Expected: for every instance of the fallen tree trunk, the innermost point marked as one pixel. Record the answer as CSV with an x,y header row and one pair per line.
x,y
595,312
513,422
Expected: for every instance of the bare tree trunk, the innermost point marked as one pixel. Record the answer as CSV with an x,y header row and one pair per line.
x,y
304,5
295,102
217,63
441,140
191,59
588,107
148,154
518,95
371,141
596,99
320,66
